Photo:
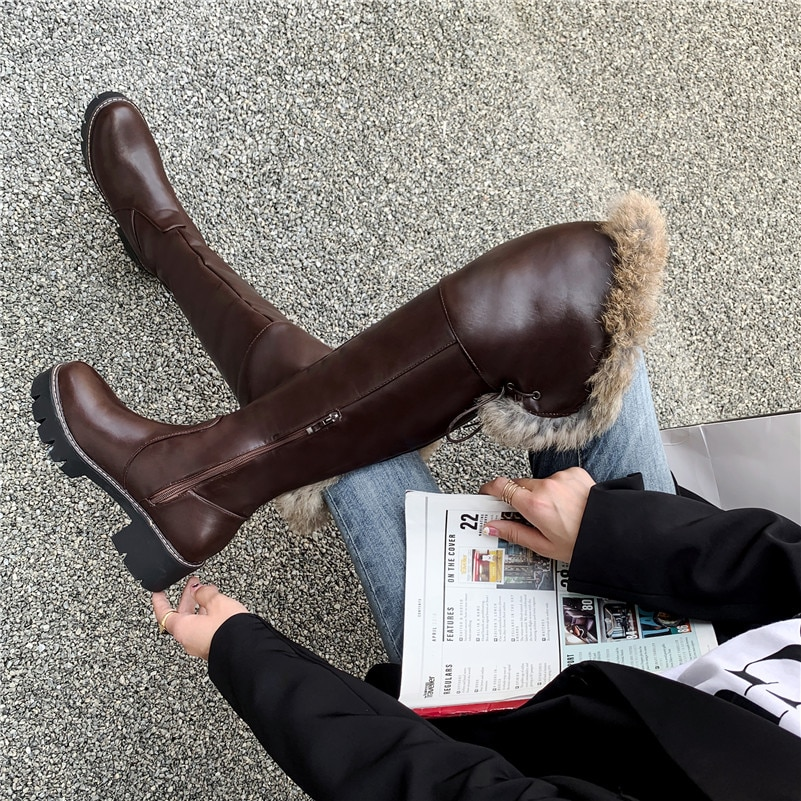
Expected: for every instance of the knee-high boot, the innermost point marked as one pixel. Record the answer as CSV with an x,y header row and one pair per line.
x,y
253,344
540,335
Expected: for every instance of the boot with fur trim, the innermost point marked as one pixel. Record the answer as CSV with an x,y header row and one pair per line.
x,y
251,342
254,346
541,330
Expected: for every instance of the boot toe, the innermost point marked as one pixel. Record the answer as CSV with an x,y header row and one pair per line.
x,y
92,434
123,159
99,102
98,427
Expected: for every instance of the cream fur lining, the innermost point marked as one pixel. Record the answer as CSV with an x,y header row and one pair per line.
x,y
637,229
305,510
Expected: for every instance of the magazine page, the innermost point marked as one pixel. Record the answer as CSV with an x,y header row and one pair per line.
x,y
487,623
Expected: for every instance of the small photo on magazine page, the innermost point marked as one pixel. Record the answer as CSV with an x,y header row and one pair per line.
x,y
619,621
581,621
660,624
525,570
480,565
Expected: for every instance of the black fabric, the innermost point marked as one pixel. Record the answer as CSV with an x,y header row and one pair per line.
x,y
738,568
598,731
649,736
339,738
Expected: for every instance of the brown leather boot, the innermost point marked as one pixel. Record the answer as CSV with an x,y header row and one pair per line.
x,y
540,336
251,342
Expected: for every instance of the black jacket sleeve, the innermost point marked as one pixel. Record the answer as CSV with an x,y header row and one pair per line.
x,y
339,738
686,556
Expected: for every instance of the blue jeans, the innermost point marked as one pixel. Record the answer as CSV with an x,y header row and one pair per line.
x,y
368,504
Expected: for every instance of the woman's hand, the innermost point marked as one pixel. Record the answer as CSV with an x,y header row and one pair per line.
x,y
554,506
201,611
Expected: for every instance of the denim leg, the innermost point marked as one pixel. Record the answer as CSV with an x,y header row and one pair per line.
x,y
631,445
368,506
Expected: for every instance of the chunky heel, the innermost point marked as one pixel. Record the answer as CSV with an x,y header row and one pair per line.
x,y
146,553
146,558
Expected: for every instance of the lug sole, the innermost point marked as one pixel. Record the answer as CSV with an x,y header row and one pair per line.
x,y
145,551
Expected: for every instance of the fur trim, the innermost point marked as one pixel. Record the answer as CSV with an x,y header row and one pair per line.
x,y
305,509
637,229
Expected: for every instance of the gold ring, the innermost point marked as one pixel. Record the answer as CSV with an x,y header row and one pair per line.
x,y
163,621
508,491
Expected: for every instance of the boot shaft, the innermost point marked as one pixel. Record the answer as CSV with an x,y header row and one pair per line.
x,y
527,312
254,346
252,343
521,321
392,389
513,329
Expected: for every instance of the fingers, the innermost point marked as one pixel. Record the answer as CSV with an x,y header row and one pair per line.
x,y
204,595
163,610
519,534
195,598
496,486
201,610
553,506
161,604
507,489
186,606
167,616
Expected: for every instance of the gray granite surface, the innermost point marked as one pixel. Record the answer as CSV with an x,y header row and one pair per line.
x,y
342,156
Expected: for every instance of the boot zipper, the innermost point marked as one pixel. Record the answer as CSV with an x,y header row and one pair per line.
x,y
172,491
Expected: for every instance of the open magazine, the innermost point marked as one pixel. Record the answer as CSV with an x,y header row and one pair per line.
x,y
487,623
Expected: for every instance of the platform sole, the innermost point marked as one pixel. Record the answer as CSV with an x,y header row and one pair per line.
x,y
147,554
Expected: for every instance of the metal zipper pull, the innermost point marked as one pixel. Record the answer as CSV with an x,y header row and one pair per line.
x,y
173,491
329,419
